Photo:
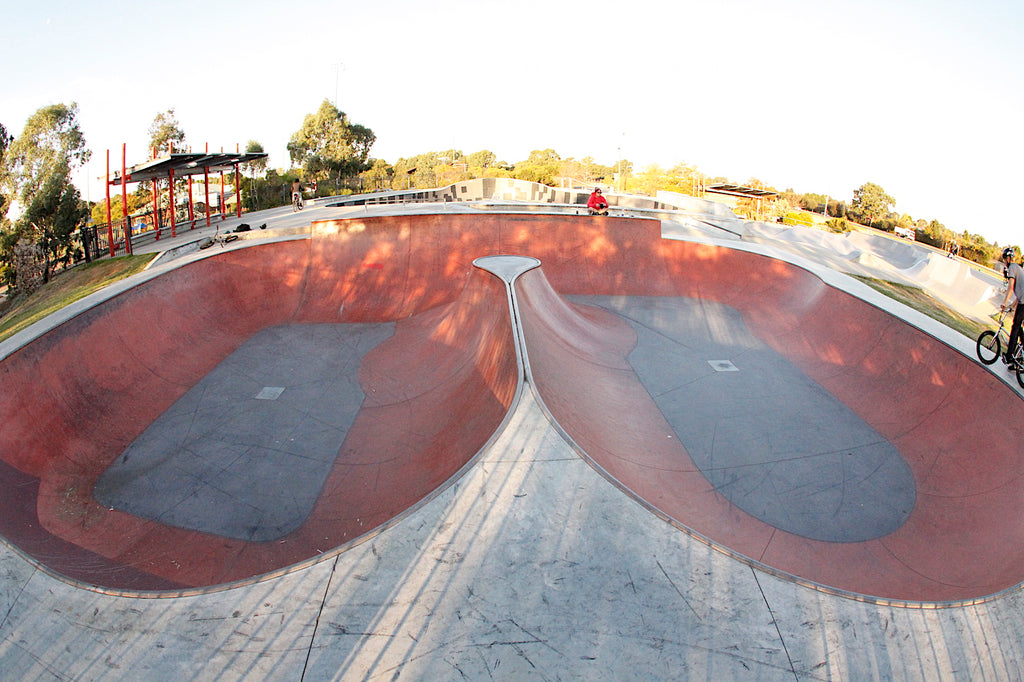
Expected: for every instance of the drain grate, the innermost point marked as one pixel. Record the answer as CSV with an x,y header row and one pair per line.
x,y
723,366
270,393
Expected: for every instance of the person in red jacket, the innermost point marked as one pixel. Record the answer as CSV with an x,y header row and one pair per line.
x,y
597,205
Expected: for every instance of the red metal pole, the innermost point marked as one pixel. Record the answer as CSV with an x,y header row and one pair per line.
x,y
191,211
156,209
223,209
238,185
108,187
206,185
170,190
124,199
110,226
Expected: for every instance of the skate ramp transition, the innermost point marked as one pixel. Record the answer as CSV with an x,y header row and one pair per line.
x,y
221,492
954,281
735,395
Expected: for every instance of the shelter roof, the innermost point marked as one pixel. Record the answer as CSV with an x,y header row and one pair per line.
x,y
741,191
183,164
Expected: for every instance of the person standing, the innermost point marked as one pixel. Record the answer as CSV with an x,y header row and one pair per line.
x,y
1014,274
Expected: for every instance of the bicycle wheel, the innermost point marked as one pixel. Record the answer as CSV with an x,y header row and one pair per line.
x,y
1020,375
205,244
989,347
230,238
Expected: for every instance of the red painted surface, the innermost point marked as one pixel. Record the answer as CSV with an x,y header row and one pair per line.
x,y
437,391
950,418
442,384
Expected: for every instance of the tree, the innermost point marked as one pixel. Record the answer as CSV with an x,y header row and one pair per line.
x,y
651,179
329,147
52,218
780,208
482,159
5,141
165,130
258,166
623,169
417,171
451,167
543,166
870,201
50,143
98,211
812,202
379,176
754,207
36,172
685,179
165,137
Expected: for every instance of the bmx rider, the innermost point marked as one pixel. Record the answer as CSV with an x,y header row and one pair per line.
x,y
1014,274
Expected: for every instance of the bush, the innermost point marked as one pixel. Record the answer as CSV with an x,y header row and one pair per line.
x,y
839,225
798,218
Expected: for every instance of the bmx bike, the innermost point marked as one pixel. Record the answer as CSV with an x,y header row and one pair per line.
x,y
990,347
297,202
218,238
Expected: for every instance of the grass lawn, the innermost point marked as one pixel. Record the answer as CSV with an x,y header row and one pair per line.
x,y
923,302
68,287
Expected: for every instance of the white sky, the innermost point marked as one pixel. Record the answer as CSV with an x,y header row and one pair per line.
x,y
924,98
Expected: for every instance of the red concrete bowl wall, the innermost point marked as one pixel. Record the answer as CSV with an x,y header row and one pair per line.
x,y
86,389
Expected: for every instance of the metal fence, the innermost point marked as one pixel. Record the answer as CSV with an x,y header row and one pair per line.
x,y
97,238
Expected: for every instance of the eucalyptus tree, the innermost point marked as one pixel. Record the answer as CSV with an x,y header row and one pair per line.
x,y
165,137
329,147
543,166
380,175
5,141
255,167
50,144
165,134
35,173
482,159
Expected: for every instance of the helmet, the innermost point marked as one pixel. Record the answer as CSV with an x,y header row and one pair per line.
x,y
1008,252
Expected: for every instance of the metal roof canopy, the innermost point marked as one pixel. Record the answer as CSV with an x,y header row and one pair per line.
x,y
183,165
741,191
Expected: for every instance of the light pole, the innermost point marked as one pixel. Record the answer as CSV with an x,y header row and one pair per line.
x,y
619,173
337,73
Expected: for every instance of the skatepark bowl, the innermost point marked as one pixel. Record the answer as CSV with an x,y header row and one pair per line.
x,y
258,409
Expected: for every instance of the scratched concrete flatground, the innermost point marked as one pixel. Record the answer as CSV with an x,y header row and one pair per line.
x,y
532,566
